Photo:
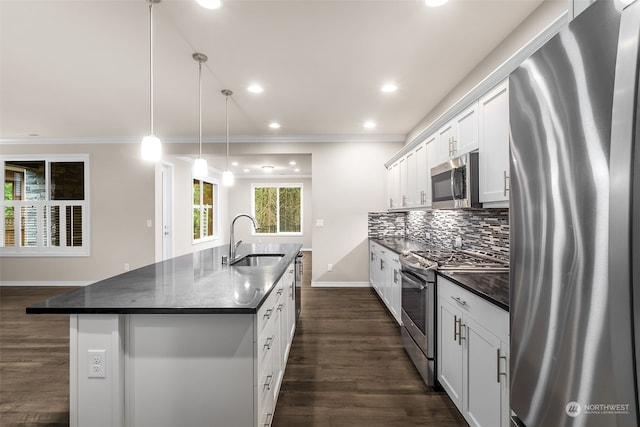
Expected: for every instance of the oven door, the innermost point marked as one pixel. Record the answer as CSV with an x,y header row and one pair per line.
x,y
417,310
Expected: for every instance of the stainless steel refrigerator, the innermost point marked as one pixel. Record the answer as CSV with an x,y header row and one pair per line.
x,y
574,218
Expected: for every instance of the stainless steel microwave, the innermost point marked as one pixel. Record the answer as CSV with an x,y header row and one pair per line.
x,y
454,184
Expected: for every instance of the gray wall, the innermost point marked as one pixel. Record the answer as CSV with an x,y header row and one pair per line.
x,y
121,201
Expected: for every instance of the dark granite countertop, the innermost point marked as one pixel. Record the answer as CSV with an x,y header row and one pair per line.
x,y
193,283
494,287
400,244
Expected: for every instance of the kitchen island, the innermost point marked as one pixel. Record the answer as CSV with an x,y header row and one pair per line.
x,y
188,341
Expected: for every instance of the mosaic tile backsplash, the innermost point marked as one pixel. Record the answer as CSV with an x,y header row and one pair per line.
x,y
481,230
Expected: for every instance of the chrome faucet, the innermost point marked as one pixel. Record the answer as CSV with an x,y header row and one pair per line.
x,y
232,244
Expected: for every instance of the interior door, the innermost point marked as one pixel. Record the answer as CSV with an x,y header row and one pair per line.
x,y
167,211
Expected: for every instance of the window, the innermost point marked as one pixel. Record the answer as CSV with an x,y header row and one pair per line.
x,y
278,208
205,196
45,209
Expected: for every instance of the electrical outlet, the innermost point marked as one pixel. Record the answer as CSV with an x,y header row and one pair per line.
x,y
330,267
427,235
97,363
457,243
126,266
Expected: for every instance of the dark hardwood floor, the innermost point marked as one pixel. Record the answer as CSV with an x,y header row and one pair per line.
x,y
34,360
346,366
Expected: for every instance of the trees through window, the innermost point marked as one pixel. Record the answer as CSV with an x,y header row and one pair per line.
x,y
278,208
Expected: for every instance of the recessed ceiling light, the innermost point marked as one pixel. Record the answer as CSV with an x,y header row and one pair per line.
x,y
274,125
255,88
369,124
292,162
210,4
267,168
234,163
435,3
296,170
245,170
389,87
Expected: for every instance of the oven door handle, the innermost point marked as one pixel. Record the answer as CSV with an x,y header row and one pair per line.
x,y
413,282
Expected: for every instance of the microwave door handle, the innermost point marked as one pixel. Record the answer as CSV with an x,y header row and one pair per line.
x,y
453,190
411,281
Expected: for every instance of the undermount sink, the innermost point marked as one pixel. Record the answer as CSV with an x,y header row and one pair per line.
x,y
258,260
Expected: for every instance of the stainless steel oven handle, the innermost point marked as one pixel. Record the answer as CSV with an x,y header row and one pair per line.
x,y
411,281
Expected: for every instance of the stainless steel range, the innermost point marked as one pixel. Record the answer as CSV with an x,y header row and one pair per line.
x,y
418,273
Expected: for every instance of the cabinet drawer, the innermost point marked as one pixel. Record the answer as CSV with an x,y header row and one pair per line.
x,y
265,345
483,312
266,383
268,309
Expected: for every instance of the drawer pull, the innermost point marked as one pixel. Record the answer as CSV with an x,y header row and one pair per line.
x,y
460,301
268,343
279,307
267,383
279,291
268,313
498,373
268,420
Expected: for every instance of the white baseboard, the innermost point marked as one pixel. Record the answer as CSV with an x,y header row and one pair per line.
x,y
340,284
43,283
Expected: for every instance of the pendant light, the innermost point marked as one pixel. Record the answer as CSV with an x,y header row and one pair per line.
x,y
210,4
227,175
200,168
151,149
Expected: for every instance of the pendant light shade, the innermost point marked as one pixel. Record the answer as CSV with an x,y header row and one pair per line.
x,y
200,167
227,175
210,4
151,148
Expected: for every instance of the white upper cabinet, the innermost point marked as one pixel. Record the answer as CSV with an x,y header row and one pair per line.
x,y
467,126
494,146
446,137
410,199
459,136
393,180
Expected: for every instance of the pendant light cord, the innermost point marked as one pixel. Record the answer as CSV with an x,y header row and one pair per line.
x,y
200,104
151,65
226,115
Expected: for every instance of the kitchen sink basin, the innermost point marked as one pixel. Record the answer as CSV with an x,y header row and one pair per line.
x,y
258,260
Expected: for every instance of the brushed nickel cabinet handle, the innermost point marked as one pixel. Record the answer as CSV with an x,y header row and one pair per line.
x,y
498,373
268,343
267,384
455,328
460,301
460,326
505,179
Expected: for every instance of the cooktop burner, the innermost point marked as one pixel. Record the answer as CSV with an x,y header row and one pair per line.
x,y
455,261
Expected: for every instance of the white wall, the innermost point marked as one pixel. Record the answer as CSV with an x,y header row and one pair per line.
x,y
542,17
240,202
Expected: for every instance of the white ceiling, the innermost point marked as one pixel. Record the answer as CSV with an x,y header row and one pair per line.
x,y
79,69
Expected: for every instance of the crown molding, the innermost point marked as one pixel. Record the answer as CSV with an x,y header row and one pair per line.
x,y
247,139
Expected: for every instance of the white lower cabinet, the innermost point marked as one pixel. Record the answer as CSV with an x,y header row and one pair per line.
x,y
274,344
473,358
384,276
